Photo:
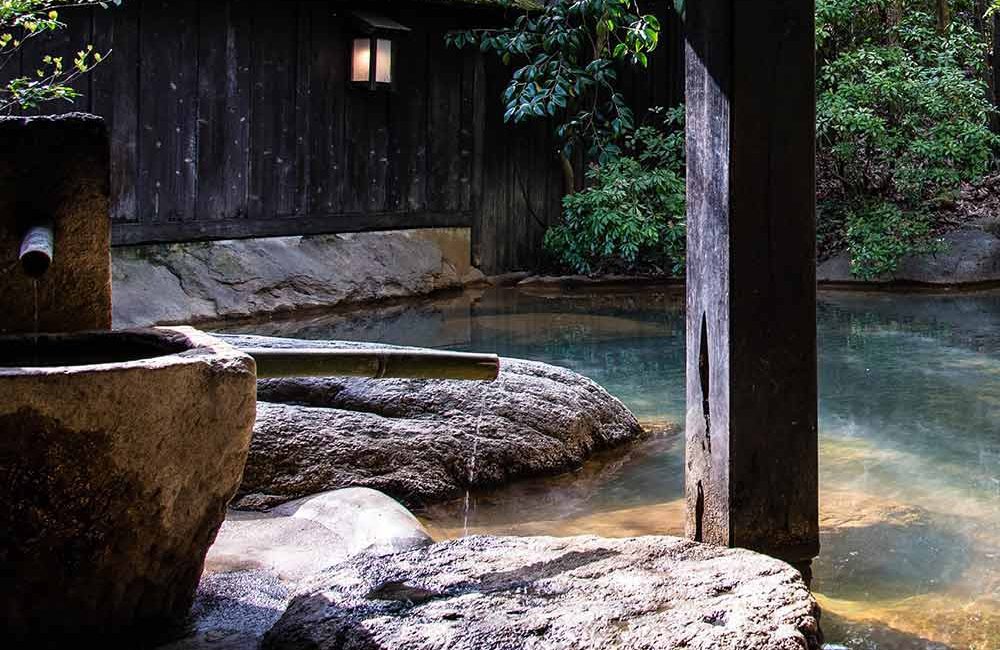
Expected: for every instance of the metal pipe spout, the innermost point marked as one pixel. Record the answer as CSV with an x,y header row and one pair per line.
x,y
37,249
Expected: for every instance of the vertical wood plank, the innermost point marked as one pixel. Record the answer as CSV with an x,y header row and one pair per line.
x,y
356,149
115,90
445,162
493,225
377,160
223,110
303,108
408,119
213,139
328,84
479,108
273,180
752,448
168,110
466,137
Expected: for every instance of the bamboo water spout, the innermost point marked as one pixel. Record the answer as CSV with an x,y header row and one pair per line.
x,y
275,363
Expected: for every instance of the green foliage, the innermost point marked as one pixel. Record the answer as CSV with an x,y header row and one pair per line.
x,y
567,55
23,20
902,117
632,215
879,234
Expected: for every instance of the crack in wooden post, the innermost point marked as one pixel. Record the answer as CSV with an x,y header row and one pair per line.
x,y
704,374
699,515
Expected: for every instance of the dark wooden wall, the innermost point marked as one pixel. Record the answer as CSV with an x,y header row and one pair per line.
x,y
234,118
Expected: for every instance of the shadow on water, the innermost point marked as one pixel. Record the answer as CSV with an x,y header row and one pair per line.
x,y
887,560
855,635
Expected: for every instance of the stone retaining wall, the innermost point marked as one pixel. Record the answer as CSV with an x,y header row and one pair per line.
x,y
161,284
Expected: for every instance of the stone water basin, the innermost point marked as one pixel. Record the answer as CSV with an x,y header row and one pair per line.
x,y
118,454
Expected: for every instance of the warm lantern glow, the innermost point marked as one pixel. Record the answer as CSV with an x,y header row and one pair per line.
x,y
361,61
366,59
383,61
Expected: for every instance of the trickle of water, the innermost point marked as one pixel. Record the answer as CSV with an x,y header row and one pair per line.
x,y
472,474
34,291
472,460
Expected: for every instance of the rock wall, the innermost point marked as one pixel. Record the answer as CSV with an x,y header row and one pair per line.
x,y
160,284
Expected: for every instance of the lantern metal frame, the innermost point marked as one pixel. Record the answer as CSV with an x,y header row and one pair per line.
x,y
375,28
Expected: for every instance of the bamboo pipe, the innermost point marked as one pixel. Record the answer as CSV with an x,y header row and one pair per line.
x,y
37,250
274,363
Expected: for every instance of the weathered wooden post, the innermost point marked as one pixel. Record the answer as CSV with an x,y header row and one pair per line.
x,y
752,444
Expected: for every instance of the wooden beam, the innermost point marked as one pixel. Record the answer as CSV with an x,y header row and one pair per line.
x,y
319,224
752,444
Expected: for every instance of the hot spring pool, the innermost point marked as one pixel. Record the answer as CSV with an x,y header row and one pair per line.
x,y
909,426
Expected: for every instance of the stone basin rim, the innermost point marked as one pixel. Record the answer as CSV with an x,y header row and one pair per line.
x,y
163,346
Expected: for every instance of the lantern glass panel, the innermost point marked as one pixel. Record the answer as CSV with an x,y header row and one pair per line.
x,y
361,60
383,61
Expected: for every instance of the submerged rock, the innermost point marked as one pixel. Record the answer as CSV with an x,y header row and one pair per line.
x,y
423,441
259,560
583,592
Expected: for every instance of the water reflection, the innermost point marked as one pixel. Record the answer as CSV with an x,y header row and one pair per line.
x,y
909,425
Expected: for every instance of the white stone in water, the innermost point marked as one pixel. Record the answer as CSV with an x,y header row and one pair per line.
x,y
259,559
301,537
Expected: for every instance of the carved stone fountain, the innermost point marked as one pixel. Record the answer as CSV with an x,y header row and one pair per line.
x,y
119,450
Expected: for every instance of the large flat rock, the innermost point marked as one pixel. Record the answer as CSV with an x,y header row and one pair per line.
x,y
423,441
547,593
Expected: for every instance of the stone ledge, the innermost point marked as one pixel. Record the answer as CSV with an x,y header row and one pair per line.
x,y
163,284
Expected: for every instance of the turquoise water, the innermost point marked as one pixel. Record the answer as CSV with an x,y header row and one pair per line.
x,y
909,426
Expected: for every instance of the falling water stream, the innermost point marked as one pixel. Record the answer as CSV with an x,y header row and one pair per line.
x,y
496,386
472,477
34,292
909,442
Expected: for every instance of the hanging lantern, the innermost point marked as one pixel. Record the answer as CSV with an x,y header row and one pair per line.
x,y
373,52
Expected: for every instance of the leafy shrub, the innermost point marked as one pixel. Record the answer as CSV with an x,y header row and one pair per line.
x,y
880,233
632,214
902,118
567,54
